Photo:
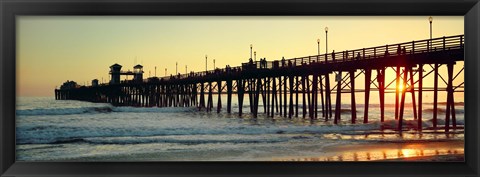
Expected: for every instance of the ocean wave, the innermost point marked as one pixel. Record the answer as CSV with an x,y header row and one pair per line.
x,y
166,139
93,110
445,103
441,121
154,109
443,110
58,135
63,111
186,134
345,111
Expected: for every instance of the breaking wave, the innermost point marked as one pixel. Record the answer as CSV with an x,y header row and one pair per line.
x,y
95,110
107,135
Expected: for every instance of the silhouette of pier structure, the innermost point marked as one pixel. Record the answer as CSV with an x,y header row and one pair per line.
x,y
278,84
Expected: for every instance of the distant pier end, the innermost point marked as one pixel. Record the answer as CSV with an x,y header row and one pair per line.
x,y
116,72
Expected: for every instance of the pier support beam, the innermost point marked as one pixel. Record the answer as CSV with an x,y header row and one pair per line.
x,y
304,99
240,93
229,96
352,95
285,96
280,95
264,94
257,96
177,95
315,95
420,92
269,88
397,91
274,95
202,96
338,102
449,110
309,97
290,110
402,103
452,106
250,93
368,75
381,91
435,95
195,92
412,90
159,92
296,95
210,97
219,102
321,95
328,97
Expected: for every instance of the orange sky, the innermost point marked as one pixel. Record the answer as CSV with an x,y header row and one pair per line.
x,y
53,49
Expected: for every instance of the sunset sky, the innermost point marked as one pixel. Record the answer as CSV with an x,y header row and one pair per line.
x,y
54,49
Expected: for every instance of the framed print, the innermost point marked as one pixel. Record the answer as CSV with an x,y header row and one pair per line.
x,y
239,88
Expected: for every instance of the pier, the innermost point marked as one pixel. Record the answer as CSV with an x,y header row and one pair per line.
x,y
278,84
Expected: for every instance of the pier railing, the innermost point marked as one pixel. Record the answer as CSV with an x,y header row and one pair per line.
x,y
389,50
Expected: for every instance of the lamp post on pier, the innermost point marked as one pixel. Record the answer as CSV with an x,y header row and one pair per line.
x,y
326,40
430,19
251,46
318,49
206,63
255,55
318,46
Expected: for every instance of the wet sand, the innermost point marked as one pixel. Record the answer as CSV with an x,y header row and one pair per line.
x,y
452,150
414,151
375,146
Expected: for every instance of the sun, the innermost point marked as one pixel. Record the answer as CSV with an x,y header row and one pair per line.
x,y
400,87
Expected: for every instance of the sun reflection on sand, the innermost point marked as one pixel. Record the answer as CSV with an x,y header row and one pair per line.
x,y
404,151
393,136
402,154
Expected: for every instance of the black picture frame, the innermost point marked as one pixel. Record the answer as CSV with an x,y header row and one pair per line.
x,y
9,9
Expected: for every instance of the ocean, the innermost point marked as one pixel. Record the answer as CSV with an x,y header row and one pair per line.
x,y
68,130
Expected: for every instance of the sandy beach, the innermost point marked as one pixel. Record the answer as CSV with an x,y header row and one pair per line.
x,y
410,148
418,151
